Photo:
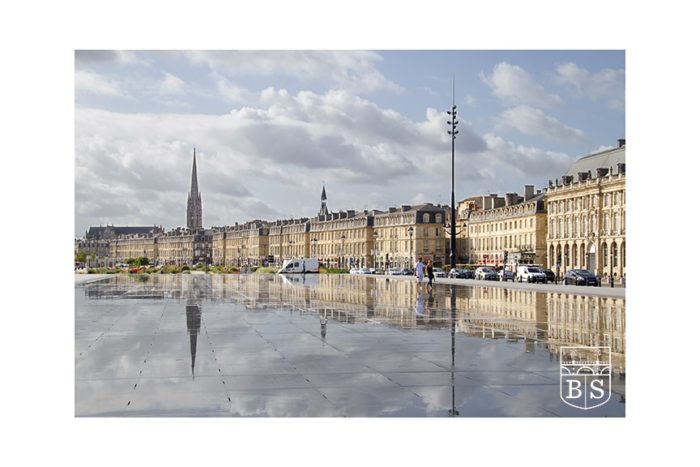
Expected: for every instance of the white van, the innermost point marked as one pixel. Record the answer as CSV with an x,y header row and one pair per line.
x,y
299,265
529,273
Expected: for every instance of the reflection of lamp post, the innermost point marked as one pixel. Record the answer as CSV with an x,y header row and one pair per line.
x,y
410,236
453,322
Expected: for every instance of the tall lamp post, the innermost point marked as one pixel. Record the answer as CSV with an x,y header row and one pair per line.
x,y
375,251
410,247
342,250
453,218
314,241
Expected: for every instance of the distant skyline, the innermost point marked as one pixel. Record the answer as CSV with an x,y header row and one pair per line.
x,y
271,128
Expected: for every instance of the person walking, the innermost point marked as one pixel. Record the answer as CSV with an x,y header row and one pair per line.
x,y
431,276
420,269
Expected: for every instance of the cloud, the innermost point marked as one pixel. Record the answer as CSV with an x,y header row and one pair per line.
x,y
527,160
87,57
514,85
607,85
171,84
87,81
535,122
351,71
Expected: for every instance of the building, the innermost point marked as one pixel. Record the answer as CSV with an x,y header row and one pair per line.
x,y
289,238
404,234
342,239
513,225
182,246
586,216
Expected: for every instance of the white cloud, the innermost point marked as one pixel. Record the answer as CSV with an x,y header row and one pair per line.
x,y
94,83
607,85
171,84
514,85
535,122
351,71
533,162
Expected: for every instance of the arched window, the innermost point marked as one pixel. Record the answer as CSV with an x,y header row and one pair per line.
x,y
614,254
438,218
605,254
426,218
566,255
552,259
574,251
583,256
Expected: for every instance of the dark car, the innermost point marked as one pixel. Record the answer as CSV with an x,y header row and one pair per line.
x,y
460,274
580,277
406,272
486,274
549,273
505,276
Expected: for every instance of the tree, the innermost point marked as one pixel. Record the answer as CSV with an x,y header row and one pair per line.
x,y
80,256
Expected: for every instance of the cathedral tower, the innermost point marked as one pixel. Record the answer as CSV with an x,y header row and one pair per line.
x,y
194,199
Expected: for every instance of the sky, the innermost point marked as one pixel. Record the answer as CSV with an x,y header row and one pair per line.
x,y
271,128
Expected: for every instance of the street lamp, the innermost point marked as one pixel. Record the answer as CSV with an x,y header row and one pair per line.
x,y
375,251
410,236
342,250
314,241
453,132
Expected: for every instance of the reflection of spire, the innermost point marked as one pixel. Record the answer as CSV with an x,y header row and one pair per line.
x,y
194,321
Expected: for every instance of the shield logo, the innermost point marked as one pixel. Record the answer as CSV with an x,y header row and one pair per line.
x,y
584,374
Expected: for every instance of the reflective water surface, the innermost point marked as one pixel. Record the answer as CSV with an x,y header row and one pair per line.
x,y
331,345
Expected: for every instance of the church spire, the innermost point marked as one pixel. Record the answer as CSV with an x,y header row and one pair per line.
x,y
194,187
194,198
324,209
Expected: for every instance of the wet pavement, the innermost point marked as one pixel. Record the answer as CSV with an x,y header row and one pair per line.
x,y
333,345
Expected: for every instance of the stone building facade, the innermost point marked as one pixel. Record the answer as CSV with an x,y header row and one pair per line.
x,y
404,234
516,227
586,210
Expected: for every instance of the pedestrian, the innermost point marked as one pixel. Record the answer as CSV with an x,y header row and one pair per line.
x,y
420,268
431,276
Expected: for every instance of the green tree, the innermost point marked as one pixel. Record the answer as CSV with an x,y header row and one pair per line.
x,y
80,256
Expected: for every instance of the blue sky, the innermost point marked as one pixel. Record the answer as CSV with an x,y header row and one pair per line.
x,y
272,127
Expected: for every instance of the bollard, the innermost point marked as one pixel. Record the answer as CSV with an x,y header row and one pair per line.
x,y
612,282
600,282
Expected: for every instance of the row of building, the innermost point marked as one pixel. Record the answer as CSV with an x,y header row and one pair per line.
x,y
577,221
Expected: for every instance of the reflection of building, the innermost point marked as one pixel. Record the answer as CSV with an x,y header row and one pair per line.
x,y
513,224
586,215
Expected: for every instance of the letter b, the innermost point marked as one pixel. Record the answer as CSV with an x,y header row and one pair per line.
x,y
574,386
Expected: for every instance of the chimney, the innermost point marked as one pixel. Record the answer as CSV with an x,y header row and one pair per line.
x,y
529,191
566,179
510,198
620,142
405,207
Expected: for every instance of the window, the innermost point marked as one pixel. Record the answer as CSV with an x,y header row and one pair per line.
x,y
438,218
426,218
605,255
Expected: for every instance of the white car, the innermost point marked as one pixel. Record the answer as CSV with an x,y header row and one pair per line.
x,y
437,272
395,271
365,271
530,274
354,271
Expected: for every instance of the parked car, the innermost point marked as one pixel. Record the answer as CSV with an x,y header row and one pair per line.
x,y
505,276
354,271
365,271
438,272
549,274
580,277
394,271
530,274
406,272
486,274
460,274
